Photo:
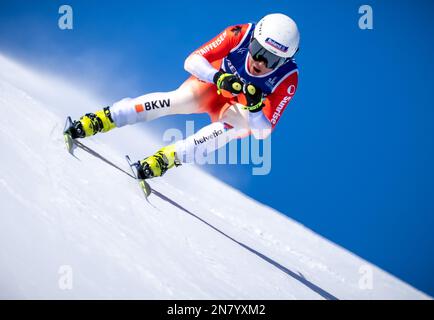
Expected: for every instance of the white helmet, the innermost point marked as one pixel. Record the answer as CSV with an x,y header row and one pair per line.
x,y
278,34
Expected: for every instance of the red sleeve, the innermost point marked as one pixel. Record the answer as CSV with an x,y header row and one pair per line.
x,y
220,46
276,102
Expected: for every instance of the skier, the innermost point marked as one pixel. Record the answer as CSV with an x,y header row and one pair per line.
x,y
243,78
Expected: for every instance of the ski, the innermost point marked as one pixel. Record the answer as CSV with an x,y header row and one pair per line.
x,y
146,188
69,142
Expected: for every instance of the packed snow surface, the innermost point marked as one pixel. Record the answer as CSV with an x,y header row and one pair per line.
x,y
77,228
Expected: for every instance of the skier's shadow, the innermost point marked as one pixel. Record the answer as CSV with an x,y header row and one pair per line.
x,y
290,273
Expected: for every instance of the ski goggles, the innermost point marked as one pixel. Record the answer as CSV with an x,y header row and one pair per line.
x,y
259,53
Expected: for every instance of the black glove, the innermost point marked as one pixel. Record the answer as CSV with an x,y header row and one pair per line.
x,y
228,82
254,98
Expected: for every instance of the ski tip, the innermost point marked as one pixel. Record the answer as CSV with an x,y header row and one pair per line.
x,y
69,142
145,187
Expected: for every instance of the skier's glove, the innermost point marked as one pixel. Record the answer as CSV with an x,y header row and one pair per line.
x,y
227,82
254,98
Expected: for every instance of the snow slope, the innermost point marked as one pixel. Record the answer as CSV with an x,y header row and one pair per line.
x,y
203,239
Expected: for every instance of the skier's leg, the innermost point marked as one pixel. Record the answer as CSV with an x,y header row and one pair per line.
x,y
154,105
233,124
193,96
184,100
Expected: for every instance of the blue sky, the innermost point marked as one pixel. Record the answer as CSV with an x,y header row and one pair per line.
x,y
352,155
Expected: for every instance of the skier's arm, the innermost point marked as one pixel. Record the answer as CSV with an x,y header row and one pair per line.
x,y
259,125
253,100
199,67
276,102
199,63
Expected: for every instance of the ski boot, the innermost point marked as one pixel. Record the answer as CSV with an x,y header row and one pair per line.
x,y
157,164
90,124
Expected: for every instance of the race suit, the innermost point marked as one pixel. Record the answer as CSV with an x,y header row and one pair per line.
x,y
229,52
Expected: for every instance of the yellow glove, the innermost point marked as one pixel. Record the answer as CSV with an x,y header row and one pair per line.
x,y
254,98
228,82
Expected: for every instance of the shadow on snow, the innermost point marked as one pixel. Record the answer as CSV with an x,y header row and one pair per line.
x,y
290,273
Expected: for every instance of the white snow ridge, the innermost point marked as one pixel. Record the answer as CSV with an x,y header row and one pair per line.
x,y
79,229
